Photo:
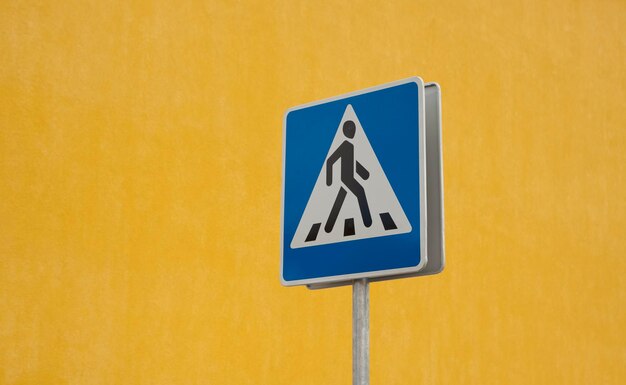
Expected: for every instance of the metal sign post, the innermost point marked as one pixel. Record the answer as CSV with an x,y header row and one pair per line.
x,y
362,196
360,332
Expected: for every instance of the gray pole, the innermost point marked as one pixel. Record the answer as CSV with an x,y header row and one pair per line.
x,y
360,332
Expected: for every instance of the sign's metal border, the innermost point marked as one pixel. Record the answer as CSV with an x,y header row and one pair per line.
x,y
422,186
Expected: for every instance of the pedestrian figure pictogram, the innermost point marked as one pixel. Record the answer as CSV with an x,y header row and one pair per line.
x,y
345,154
350,187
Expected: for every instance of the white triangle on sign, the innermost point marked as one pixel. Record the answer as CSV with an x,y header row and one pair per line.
x,y
317,227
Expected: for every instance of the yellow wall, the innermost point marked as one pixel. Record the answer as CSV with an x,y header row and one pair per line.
x,y
140,160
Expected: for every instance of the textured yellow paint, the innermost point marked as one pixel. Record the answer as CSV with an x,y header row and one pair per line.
x,y
140,160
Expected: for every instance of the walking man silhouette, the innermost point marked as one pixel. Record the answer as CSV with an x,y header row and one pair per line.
x,y
345,152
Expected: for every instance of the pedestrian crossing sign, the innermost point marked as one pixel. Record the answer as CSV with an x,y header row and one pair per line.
x,y
353,203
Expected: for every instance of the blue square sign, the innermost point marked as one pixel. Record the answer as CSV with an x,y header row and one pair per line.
x,y
353,203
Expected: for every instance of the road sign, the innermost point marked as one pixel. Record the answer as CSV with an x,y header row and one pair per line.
x,y
354,186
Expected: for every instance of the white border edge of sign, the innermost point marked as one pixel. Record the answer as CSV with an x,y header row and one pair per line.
x,y
422,183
